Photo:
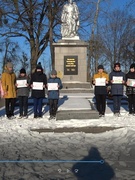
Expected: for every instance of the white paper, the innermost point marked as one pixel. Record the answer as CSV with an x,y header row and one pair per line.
x,y
131,82
37,85
21,83
52,86
117,79
100,82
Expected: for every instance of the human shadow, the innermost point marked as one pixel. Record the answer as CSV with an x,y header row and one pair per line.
x,y
93,101
93,167
31,105
2,111
62,100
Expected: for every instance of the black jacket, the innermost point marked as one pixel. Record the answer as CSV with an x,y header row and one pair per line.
x,y
38,77
129,89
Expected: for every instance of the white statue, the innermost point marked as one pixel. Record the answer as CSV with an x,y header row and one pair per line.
x,y
70,20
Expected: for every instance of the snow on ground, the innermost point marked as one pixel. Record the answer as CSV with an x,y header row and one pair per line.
x,y
101,156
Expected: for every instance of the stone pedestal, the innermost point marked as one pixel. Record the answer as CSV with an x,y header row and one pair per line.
x,y
71,60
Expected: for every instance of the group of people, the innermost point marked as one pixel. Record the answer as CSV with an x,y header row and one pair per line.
x,y
117,80
13,87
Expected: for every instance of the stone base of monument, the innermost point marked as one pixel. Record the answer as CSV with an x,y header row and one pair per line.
x,y
76,108
77,114
77,87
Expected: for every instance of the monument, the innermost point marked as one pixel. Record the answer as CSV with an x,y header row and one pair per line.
x,y
70,53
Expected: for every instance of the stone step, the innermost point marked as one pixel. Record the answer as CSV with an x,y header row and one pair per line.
x,y
67,85
77,114
76,90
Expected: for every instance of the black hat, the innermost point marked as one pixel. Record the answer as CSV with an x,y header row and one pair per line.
x,y
53,72
116,64
132,66
39,66
100,67
23,71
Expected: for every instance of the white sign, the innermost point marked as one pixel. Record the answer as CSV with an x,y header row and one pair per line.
x,y
131,82
100,82
117,79
21,83
37,85
52,86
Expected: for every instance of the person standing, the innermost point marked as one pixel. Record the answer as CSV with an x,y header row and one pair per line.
x,y
130,89
23,93
117,79
100,79
8,85
38,84
54,84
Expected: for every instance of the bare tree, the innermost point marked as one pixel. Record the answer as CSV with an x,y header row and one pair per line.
x,y
9,52
33,20
117,33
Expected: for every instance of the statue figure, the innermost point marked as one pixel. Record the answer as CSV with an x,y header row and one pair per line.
x,y
70,20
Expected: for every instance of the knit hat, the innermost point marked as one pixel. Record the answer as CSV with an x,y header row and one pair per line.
x,y
39,66
100,67
9,65
53,72
23,71
132,66
116,64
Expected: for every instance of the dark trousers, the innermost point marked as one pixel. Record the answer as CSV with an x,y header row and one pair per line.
x,y
38,102
101,103
131,103
10,106
23,105
117,103
53,106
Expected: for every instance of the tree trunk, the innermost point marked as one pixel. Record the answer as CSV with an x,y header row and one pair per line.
x,y
34,56
92,42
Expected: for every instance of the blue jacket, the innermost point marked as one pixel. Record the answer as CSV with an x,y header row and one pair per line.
x,y
54,94
117,89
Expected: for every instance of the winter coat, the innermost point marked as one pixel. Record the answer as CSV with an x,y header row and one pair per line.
x,y
129,89
38,77
54,94
117,89
100,89
23,91
8,84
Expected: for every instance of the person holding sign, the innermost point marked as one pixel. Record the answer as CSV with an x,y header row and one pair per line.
x,y
38,85
100,79
130,89
8,85
117,80
22,84
54,84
